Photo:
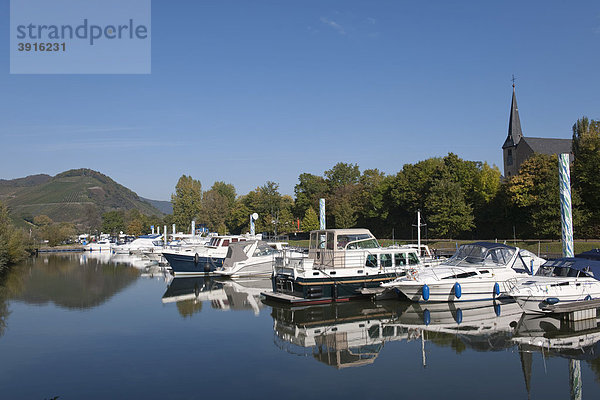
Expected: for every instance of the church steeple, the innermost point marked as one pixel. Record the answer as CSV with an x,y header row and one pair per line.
x,y
514,123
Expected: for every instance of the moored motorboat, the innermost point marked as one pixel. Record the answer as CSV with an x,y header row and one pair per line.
x,y
204,258
100,245
477,271
341,264
251,258
564,280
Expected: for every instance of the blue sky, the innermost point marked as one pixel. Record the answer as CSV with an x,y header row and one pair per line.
x,y
250,91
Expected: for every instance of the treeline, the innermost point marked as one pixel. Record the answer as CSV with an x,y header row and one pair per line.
x,y
15,244
457,198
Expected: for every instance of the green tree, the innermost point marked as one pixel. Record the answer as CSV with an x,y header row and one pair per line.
x,y
308,191
13,242
586,165
535,198
113,222
449,215
187,202
342,174
310,222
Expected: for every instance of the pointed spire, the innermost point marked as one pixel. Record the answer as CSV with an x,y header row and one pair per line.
x,y
514,123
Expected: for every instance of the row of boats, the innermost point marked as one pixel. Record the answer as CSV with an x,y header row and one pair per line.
x,y
343,264
352,334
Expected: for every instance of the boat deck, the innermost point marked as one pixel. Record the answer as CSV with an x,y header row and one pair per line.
x,y
575,310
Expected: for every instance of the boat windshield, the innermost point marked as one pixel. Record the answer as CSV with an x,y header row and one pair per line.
x,y
343,240
559,271
472,255
363,244
263,250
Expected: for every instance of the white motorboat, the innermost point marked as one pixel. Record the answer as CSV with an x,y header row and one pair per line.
x,y
144,243
198,260
477,271
563,280
251,258
100,245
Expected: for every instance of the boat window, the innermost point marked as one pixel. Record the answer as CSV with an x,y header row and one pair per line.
x,y
371,261
388,331
364,244
385,260
313,240
374,332
234,240
400,259
329,240
462,275
412,259
573,273
225,243
343,240
214,242
242,240
263,250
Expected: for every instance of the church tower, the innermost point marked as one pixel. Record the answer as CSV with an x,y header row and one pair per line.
x,y
515,135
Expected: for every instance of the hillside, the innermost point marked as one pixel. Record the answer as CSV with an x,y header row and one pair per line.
x,y
166,207
79,196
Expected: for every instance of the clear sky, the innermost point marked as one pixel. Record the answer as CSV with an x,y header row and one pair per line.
x,y
248,91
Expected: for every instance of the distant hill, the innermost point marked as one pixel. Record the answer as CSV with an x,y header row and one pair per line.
x,y
163,206
79,196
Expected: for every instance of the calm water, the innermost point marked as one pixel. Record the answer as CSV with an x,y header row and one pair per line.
x,y
90,328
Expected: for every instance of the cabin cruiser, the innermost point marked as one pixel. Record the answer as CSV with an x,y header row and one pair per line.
x,y
143,243
477,271
100,245
188,242
563,280
252,258
341,264
205,258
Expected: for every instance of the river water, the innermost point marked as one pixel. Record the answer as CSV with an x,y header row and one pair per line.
x,y
84,326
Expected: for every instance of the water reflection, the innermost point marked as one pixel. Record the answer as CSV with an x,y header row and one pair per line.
x,y
340,335
66,281
479,325
223,294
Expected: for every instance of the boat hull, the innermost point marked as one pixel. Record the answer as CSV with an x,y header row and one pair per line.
x,y
263,268
323,290
186,264
445,291
534,304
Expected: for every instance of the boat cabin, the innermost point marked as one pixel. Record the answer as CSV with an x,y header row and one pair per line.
x,y
356,248
224,241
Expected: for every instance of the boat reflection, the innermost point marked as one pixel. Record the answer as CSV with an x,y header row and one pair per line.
x,y
558,337
352,334
147,268
480,325
340,335
223,294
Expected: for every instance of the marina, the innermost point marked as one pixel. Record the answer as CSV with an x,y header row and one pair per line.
x,y
103,324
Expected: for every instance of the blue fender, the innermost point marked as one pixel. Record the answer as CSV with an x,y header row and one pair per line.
x,y
425,292
457,290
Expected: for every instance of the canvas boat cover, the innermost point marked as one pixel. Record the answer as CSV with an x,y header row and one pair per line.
x,y
590,267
